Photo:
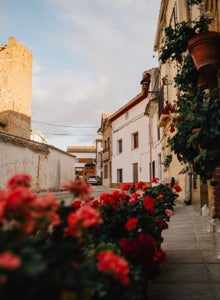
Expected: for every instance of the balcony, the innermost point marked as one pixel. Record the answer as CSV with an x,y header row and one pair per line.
x,y
164,120
105,155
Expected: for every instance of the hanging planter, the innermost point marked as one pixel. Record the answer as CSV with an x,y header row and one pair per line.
x,y
205,50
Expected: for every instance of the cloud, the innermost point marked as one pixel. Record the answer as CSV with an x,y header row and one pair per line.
x,y
92,64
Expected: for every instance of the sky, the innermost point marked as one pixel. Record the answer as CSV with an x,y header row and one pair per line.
x,y
88,58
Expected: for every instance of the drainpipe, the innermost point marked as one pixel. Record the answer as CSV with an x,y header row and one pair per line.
x,y
150,144
187,200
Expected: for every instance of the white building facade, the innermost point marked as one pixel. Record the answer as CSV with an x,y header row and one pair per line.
x,y
136,154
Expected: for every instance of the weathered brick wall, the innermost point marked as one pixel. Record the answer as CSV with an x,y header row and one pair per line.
x,y
48,166
15,89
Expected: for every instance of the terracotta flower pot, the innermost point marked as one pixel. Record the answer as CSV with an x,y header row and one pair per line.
x,y
205,51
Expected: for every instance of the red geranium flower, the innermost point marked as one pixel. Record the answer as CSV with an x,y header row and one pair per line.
x,y
177,188
133,198
155,180
9,261
110,263
19,180
76,204
159,256
160,196
78,187
149,203
126,186
131,223
162,224
139,250
140,185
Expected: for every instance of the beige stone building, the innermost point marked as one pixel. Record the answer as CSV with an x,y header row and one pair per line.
x,y
171,13
15,89
106,131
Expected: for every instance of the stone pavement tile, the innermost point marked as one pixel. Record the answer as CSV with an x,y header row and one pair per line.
x,y
204,236
183,256
180,237
214,272
179,246
191,270
210,257
184,272
182,291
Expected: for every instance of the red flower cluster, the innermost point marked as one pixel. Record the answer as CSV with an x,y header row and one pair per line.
x,y
168,108
114,199
139,250
131,223
126,186
22,209
134,197
110,263
149,204
177,188
9,261
162,224
159,256
19,180
155,180
78,187
84,217
140,185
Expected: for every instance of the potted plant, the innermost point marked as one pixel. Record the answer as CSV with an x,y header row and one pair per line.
x,y
176,38
205,51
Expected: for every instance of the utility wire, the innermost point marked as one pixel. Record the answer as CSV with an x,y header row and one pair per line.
x,y
66,134
70,126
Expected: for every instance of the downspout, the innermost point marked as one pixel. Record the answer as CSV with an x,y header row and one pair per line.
x,y
150,144
188,188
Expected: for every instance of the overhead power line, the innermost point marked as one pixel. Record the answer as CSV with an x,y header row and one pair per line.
x,y
66,134
69,126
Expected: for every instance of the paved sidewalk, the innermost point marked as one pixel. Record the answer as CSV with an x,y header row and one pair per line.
x,y
191,270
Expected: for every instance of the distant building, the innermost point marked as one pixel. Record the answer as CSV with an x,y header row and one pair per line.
x,y
38,137
84,156
106,155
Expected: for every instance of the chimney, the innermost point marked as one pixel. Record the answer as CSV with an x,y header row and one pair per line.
x,y
145,82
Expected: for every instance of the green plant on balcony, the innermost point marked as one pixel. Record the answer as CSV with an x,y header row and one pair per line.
x,y
167,162
195,106
176,38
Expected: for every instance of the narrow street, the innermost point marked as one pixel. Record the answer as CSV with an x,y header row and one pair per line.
x,y
97,190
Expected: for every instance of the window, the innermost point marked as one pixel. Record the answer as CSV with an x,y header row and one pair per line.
x,y
119,146
153,169
119,175
134,140
105,171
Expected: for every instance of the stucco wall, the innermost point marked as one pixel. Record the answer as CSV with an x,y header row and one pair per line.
x,y
48,166
123,128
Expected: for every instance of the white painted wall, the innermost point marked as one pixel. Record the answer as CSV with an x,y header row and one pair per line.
x,y
123,128
48,166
